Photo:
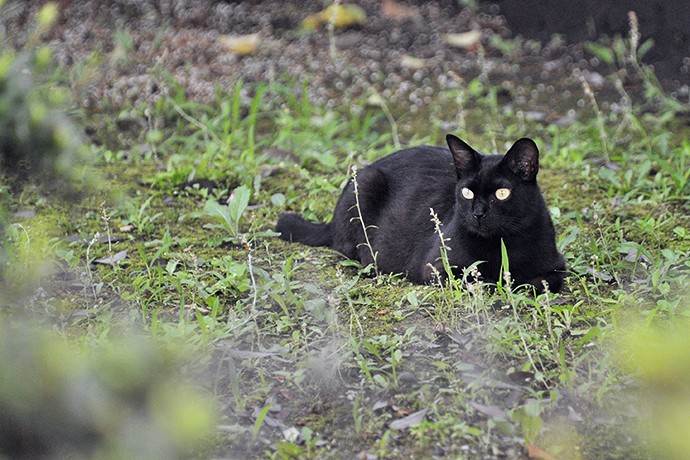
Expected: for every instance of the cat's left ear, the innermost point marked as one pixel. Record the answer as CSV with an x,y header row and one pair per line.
x,y
465,158
523,159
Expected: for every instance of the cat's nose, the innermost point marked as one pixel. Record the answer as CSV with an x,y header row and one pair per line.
x,y
479,211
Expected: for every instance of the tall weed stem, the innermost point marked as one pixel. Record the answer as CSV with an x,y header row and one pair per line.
x,y
600,118
360,217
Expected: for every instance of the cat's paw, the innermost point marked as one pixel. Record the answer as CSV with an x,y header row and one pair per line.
x,y
433,273
552,282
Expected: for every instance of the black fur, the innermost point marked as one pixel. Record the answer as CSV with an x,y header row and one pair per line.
x,y
395,197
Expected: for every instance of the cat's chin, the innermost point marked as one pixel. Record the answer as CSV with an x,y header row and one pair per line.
x,y
477,230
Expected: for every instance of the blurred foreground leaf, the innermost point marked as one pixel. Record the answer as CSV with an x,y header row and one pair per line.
x,y
661,358
124,400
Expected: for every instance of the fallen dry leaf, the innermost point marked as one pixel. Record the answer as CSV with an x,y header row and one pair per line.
x,y
341,15
535,452
268,420
193,306
411,62
118,256
380,404
596,274
395,10
241,44
633,255
375,100
409,421
490,411
574,416
291,434
467,40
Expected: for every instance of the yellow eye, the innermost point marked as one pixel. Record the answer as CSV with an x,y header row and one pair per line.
x,y
467,193
503,193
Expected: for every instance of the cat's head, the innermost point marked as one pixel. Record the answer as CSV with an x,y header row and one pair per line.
x,y
496,195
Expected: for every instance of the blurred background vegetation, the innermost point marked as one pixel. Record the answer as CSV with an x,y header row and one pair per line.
x,y
59,398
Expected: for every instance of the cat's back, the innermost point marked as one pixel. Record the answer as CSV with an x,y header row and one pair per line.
x,y
393,196
423,163
414,157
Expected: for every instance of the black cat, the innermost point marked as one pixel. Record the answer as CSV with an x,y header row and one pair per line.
x,y
479,199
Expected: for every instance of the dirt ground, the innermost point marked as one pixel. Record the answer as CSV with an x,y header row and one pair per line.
x,y
130,51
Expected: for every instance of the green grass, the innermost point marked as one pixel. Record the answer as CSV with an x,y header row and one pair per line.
x,y
308,356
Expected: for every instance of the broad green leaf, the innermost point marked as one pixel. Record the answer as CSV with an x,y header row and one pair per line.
x,y
221,214
239,203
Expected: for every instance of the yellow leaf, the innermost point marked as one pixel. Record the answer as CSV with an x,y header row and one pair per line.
x,y
537,453
340,15
241,44
311,22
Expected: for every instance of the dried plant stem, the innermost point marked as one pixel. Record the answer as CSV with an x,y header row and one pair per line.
x,y
600,118
106,219
198,124
648,77
634,37
250,269
359,217
88,264
392,122
444,248
331,30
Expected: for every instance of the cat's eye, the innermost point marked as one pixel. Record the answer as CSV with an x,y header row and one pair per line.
x,y
467,193
503,193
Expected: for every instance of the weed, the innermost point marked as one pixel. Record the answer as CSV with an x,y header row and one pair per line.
x,y
228,217
139,217
365,228
603,137
444,248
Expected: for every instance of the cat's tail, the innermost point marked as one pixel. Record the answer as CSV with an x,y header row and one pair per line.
x,y
294,228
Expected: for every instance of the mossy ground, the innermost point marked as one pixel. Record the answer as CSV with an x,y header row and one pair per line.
x,y
328,343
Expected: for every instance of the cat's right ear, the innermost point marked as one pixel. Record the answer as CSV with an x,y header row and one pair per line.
x,y
465,158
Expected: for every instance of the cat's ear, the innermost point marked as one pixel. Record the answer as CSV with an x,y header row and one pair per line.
x,y
523,159
465,158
